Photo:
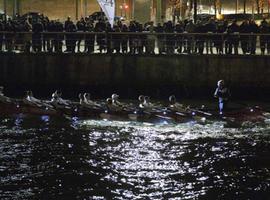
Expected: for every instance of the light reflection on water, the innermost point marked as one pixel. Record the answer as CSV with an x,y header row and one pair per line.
x,y
48,158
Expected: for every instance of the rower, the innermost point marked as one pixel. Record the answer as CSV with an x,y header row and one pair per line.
x,y
58,100
141,101
174,105
1,91
31,100
115,101
3,98
55,97
147,104
85,100
88,101
112,106
223,94
81,99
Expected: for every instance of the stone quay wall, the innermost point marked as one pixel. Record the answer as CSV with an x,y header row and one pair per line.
x,y
131,75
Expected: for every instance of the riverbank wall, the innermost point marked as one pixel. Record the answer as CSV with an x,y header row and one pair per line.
x,y
131,75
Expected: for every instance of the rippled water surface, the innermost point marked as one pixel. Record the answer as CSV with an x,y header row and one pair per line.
x,y
46,158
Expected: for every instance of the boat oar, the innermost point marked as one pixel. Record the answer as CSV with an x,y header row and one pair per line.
x,y
202,112
164,117
175,112
181,114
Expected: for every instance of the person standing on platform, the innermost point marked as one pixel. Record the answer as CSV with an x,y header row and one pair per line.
x,y
244,29
223,95
58,38
100,29
1,35
210,28
67,28
37,36
160,38
190,28
254,29
264,29
124,38
81,26
170,40
179,28
233,37
89,38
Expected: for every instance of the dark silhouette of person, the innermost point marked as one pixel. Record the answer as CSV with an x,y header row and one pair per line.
x,y
58,38
244,39
160,38
80,29
253,28
233,37
264,29
37,36
89,38
124,38
2,28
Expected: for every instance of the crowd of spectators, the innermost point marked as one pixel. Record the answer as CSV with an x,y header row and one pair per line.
x,y
85,35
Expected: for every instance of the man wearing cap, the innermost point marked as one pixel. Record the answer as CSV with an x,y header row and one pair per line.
x,y
223,94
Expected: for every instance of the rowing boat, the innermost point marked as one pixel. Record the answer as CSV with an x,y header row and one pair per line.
x,y
135,114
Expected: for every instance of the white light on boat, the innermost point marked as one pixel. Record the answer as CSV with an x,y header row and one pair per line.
x,y
251,110
18,106
135,112
221,113
164,113
165,122
193,113
45,118
203,119
106,111
76,110
46,108
75,118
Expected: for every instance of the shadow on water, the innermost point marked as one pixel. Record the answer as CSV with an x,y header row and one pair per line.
x,y
49,158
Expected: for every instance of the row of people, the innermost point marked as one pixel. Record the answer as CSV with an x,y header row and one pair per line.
x,y
113,103
40,38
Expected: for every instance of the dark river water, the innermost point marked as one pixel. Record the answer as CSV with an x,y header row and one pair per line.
x,y
47,158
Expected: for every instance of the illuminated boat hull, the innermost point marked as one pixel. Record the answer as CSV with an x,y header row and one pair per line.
x,y
76,110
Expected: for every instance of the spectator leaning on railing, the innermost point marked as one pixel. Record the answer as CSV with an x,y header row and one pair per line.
x,y
264,40
2,28
218,37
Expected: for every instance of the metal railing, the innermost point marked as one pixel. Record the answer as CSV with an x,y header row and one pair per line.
x,y
135,43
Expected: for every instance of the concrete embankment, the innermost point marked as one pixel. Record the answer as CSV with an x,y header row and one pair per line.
x,y
130,75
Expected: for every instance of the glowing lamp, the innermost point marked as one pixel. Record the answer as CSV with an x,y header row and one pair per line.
x,y
219,16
